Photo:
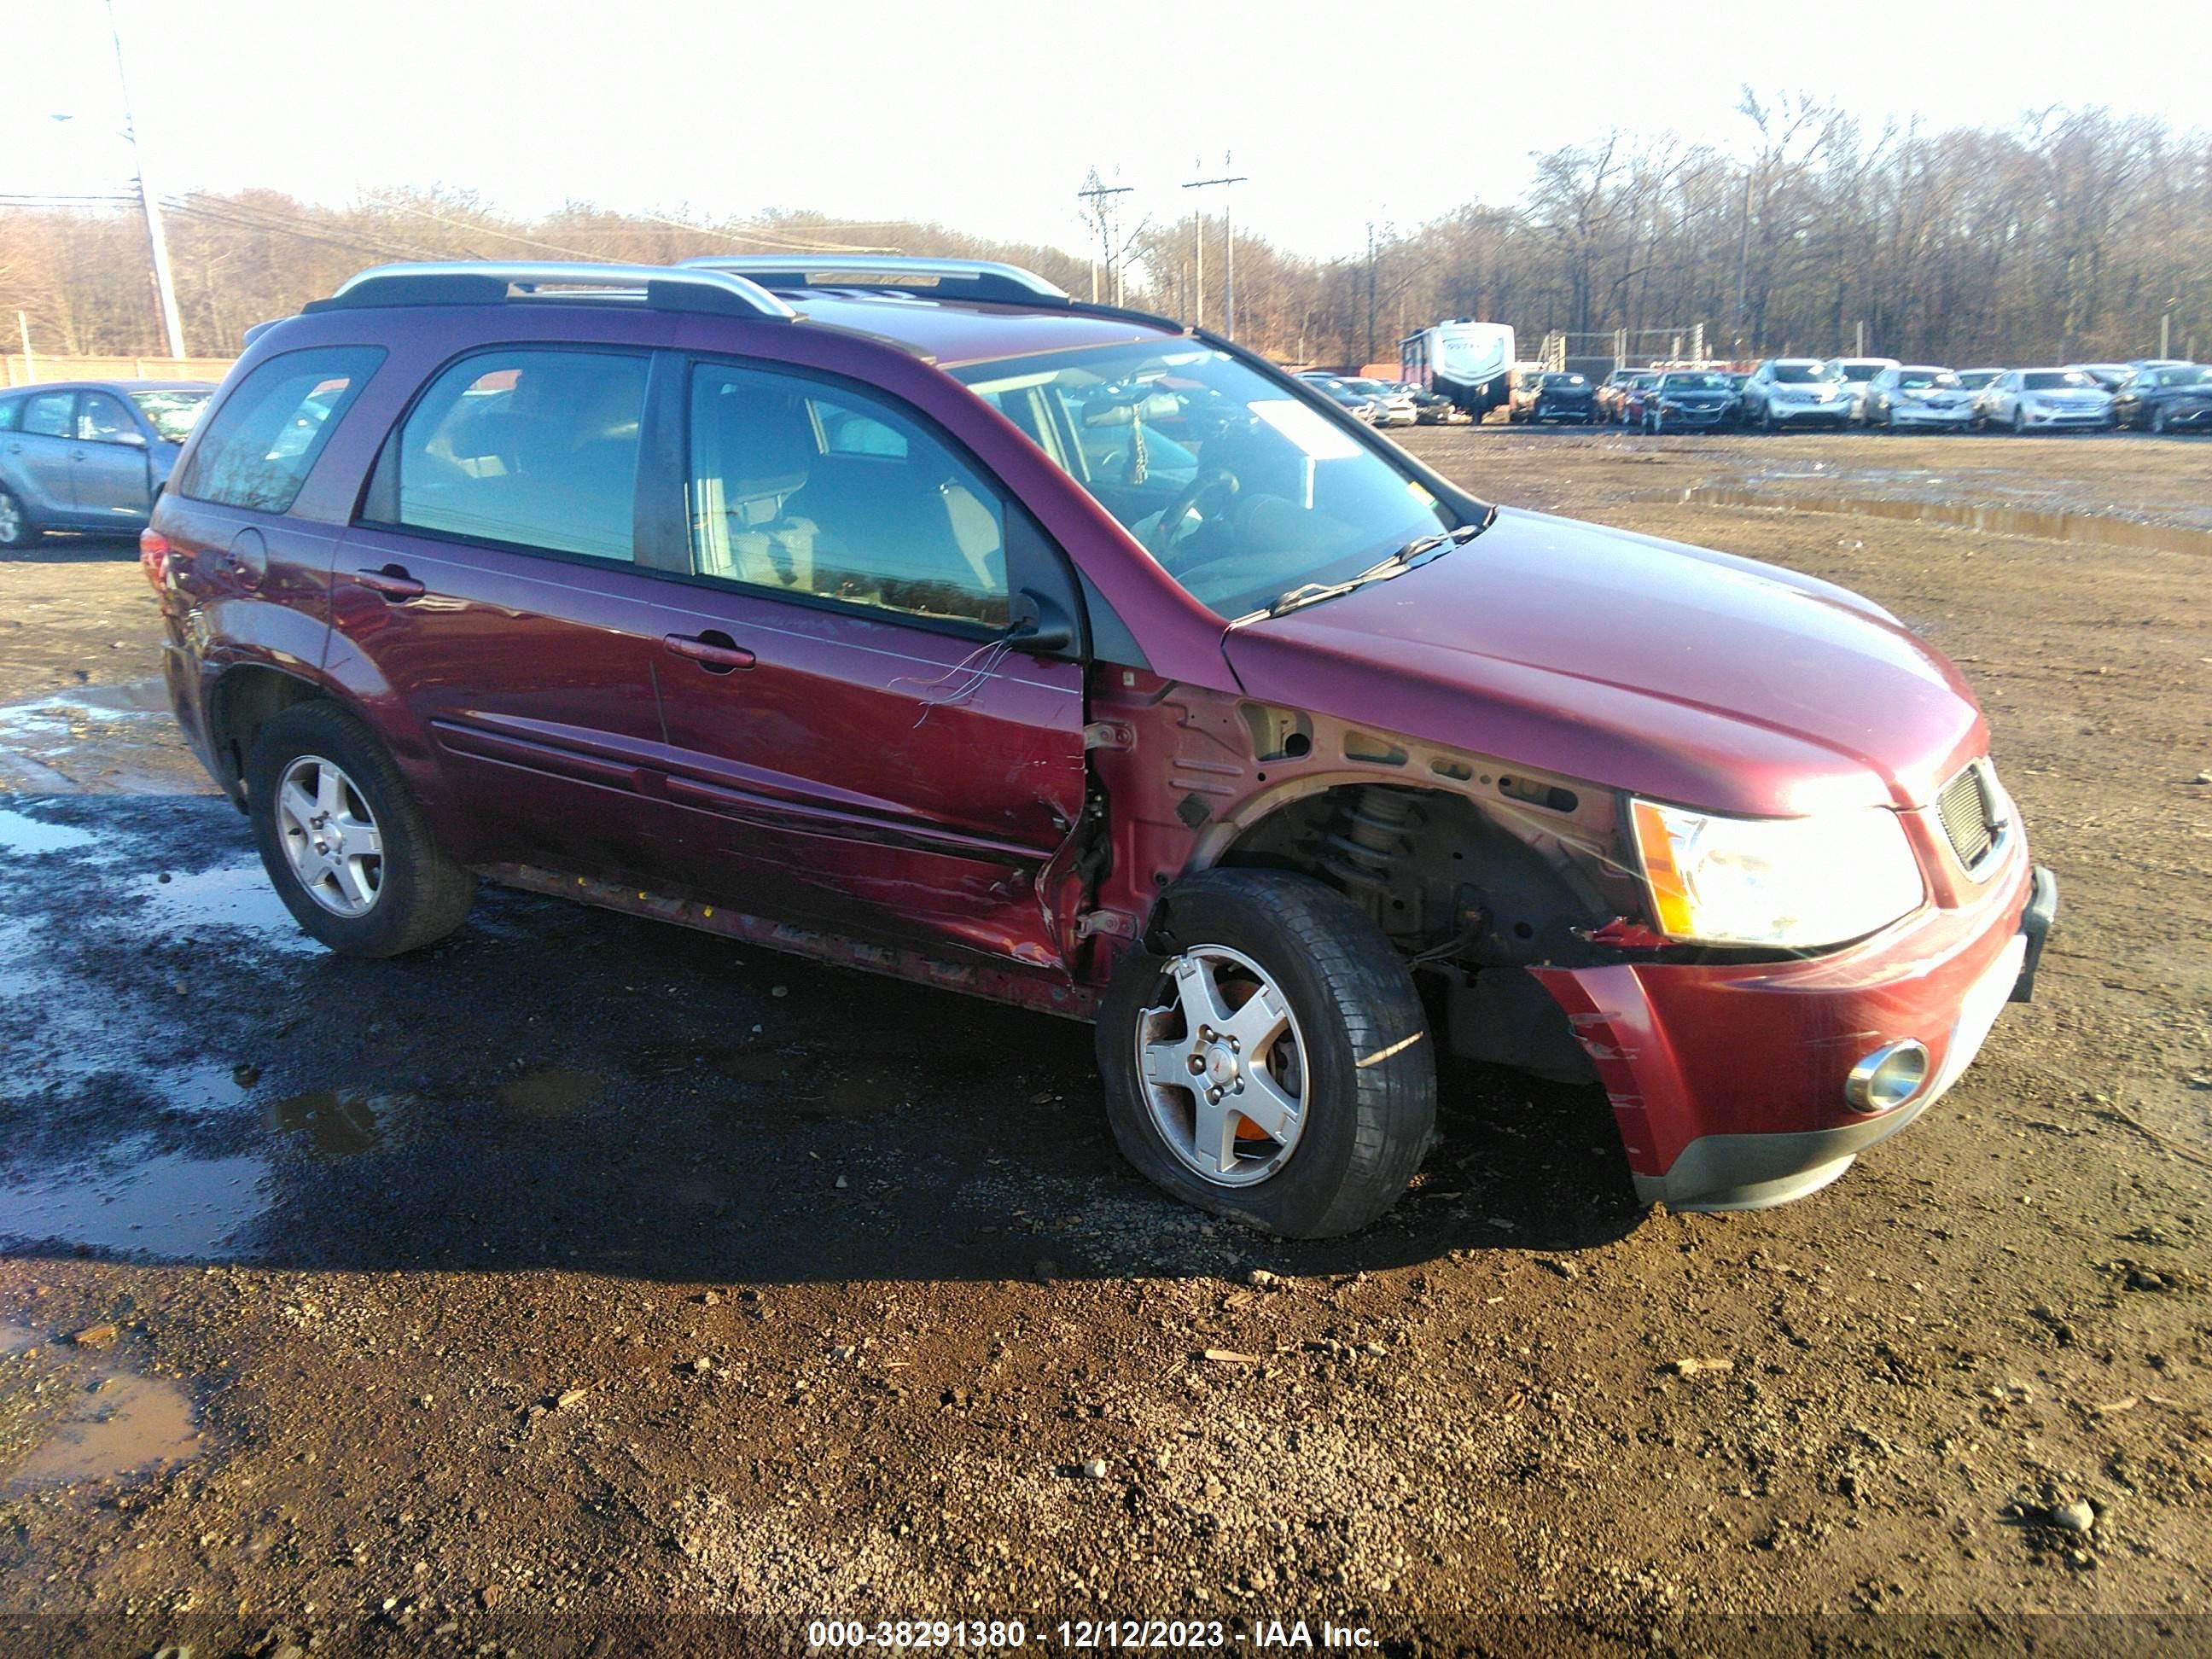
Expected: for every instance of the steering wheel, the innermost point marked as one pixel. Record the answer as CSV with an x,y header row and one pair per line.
x,y
1166,528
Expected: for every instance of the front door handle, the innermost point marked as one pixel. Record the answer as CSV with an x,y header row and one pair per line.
x,y
391,581
717,653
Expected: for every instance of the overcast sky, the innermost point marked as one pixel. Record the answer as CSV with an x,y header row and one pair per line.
x,y
987,115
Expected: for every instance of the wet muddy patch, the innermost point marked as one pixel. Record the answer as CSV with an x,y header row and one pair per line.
x,y
66,1419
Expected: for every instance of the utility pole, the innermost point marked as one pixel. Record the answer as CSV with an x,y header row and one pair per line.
x,y
1742,253
1228,222
1369,357
165,284
1095,194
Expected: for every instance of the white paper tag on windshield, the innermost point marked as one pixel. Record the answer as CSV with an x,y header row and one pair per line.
x,y
1305,428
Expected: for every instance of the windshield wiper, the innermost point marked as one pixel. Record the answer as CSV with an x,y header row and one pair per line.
x,y
1396,564
1442,539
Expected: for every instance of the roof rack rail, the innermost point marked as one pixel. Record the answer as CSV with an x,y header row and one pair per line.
x,y
665,288
963,279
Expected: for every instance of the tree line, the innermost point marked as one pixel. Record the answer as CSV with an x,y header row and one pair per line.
x,y
2067,235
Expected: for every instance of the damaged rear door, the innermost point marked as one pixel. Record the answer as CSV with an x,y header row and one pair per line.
x,y
863,732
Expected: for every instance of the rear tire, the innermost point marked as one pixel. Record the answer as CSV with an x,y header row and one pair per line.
x,y
415,895
17,532
1361,1061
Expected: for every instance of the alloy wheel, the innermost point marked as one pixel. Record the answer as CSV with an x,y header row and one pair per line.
x,y
11,519
1223,1066
330,837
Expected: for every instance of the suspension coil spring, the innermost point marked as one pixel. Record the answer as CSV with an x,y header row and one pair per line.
x,y
1366,836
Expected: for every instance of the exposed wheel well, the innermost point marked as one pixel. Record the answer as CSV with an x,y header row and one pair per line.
x,y
1470,903
245,698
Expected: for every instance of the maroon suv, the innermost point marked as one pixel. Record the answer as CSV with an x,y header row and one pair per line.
x,y
913,617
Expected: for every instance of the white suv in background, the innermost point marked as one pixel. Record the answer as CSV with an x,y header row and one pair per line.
x,y
1795,392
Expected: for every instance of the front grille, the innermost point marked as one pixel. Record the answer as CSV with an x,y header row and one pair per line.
x,y
1969,816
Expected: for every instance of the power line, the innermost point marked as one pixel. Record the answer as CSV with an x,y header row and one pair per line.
x,y
1229,226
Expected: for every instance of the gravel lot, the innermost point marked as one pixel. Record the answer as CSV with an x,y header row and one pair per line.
x,y
580,1273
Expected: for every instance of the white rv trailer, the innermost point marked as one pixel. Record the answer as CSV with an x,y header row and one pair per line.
x,y
1465,360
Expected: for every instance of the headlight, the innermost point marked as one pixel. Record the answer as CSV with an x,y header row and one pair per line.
x,y
1798,882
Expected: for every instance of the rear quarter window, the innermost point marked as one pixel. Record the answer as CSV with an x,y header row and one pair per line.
x,y
260,445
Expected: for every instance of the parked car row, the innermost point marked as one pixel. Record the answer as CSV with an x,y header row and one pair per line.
x,y
1387,402
2156,395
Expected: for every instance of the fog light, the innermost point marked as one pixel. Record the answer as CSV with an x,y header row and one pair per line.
x,y
1887,1078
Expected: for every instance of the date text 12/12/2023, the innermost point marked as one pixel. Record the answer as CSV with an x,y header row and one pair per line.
x,y
1002,1635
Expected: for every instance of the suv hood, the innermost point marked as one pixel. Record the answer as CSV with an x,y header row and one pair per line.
x,y
1679,673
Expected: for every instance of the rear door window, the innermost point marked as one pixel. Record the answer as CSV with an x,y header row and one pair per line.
x,y
529,447
101,420
260,445
49,414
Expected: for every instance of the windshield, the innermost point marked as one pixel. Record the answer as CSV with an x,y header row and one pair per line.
x,y
1566,381
2194,375
1696,383
2055,380
1860,371
1920,380
174,414
1804,373
1975,379
1240,491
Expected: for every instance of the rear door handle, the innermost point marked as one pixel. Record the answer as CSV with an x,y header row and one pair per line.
x,y
716,653
391,581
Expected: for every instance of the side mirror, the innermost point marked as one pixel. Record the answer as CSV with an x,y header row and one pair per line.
x,y
1042,628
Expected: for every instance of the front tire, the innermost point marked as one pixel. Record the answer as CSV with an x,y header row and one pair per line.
x,y
1267,1057
2019,421
344,843
2158,420
17,532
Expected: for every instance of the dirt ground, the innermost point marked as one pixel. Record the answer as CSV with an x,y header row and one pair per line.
x,y
582,1275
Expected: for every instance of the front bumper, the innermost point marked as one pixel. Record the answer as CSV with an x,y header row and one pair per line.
x,y
1727,1082
1790,414
1957,416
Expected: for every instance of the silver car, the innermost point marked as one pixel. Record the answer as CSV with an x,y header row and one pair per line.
x,y
1917,395
1793,391
2044,401
89,455
1856,374
1396,403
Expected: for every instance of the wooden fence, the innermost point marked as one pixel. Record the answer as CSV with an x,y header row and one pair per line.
x,y
42,368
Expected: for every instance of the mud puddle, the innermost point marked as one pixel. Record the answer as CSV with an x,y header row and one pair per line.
x,y
339,1125
139,1202
2094,528
22,836
115,1424
108,739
